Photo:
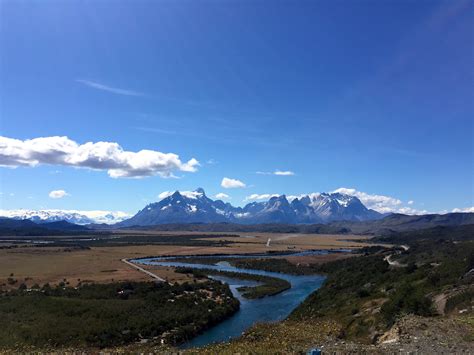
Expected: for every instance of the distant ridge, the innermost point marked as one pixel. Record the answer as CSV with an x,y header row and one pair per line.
x,y
9,226
385,226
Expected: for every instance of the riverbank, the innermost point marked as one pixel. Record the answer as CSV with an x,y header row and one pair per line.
x,y
275,304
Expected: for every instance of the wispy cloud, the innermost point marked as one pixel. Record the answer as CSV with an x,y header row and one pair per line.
x,y
157,130
276,172
113,90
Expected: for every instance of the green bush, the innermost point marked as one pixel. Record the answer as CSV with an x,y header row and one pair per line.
x,y
406,300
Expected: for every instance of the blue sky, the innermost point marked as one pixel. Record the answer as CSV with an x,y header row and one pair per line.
x,y
376,96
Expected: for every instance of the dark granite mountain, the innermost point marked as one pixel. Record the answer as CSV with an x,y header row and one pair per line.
x,y
196,207
177,208
14,227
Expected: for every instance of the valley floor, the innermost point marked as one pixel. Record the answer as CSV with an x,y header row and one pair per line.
x,y
32,263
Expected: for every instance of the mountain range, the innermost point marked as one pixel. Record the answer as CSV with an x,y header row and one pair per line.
x,y
75,217
315,213
196,207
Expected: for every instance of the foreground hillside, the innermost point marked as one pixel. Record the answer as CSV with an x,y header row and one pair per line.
x,y
422,301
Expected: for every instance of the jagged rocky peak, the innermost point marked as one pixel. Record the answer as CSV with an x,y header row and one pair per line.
x,y
277,201
176,194
200,190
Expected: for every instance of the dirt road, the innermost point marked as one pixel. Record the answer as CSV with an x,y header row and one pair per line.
x,y
156,277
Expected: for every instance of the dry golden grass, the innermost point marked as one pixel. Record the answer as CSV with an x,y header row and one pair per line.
x,y
102,264
281,241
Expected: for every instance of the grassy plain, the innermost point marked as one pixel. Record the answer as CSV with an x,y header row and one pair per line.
x,y
39,264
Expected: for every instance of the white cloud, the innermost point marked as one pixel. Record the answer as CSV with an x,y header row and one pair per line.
x,y
188,194
108,156
228,183
165,194
276,172
222,196
467,209
284,173
107,88
380,203
312,195
58,194
411,202
409,210
256,197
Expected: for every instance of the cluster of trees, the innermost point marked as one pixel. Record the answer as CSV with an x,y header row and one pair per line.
x,y
103,315
274,264
267,286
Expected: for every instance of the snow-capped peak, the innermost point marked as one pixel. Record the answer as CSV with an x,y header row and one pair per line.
x,y
72,216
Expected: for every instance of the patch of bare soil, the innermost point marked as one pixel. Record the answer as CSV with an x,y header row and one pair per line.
x,y
418,335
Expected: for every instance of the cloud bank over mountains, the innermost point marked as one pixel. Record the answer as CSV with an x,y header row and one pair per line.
x,y
381,203
263,208
259,197
464,210
108,156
